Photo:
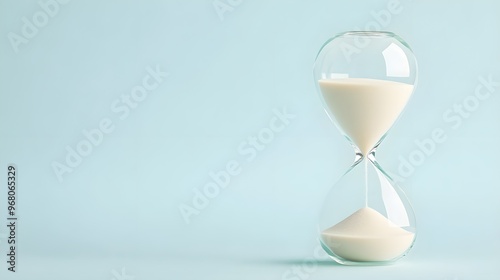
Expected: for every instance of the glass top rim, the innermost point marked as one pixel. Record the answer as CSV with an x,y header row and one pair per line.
x,y
367,33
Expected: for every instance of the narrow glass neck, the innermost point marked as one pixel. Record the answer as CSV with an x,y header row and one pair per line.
x,y
359,157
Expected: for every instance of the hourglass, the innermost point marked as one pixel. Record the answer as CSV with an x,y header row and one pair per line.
x,y
365,80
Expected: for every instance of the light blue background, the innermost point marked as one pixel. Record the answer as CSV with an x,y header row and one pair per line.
x,y
120,207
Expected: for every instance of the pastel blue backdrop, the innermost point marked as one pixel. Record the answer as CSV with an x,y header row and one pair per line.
x,y
180,90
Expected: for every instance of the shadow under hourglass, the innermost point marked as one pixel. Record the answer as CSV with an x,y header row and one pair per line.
x,y
297,261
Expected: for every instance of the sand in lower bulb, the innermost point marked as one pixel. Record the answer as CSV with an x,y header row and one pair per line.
x,y
367,236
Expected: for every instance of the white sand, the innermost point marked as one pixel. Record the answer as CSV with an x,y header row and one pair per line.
x,y
367,235
365,108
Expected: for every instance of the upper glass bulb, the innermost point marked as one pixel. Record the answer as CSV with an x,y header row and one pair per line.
x,y
365,80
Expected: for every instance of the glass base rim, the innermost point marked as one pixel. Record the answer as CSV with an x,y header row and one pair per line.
x,y
347,262
362,263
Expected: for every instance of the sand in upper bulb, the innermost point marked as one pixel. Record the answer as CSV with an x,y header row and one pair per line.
x,y
365,109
